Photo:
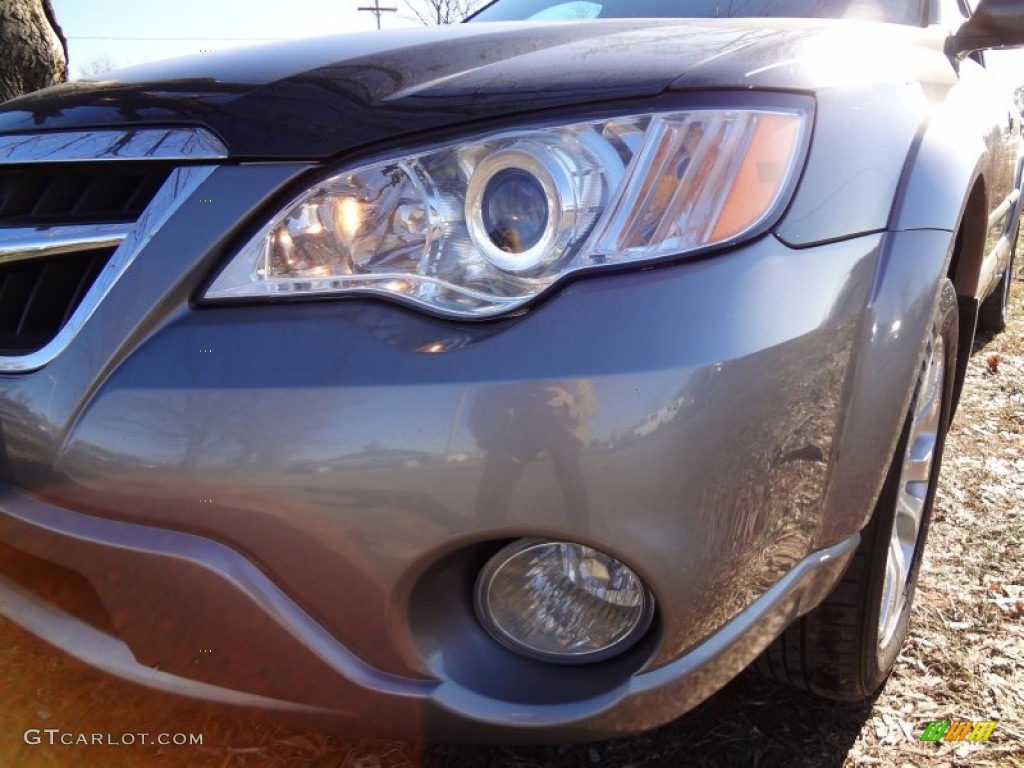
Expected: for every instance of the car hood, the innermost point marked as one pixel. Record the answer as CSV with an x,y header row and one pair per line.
x,y
318,98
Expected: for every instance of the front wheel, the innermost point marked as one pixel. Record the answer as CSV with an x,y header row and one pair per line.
x,y
847,646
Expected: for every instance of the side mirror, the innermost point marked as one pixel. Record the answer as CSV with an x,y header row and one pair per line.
x,y
994,24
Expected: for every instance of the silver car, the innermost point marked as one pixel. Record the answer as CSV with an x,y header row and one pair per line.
x,y
524,379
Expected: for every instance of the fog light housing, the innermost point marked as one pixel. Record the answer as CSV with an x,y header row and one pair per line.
x,y
562,602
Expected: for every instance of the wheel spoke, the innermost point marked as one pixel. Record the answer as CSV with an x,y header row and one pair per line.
x,y
890,591
916,470
908,520
898,562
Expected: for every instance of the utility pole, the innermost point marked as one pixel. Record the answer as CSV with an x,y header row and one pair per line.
x,y
376,10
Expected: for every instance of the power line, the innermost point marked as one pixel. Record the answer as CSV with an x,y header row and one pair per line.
x,y
173,39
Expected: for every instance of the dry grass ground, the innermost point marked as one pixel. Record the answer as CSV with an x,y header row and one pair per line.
x,y
964,658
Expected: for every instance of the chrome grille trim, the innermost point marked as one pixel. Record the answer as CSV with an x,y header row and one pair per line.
x,y
21,243
181,185
136,144
37,241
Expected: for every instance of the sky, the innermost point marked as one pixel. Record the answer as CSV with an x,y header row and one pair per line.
x,y
131,32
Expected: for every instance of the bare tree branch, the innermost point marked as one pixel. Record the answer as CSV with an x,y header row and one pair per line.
x,y
441,11
96,66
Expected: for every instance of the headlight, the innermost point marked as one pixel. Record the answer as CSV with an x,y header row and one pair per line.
x,y
479,228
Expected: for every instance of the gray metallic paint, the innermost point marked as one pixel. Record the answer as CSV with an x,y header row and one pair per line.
x,y
299,671
304,372
318,467
890,348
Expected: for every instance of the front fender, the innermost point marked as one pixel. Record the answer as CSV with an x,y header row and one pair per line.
x,y
910,273
862,138
931,204
939,176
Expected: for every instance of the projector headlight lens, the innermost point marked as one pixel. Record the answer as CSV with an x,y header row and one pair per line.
x,y
478,228
562,602
515,211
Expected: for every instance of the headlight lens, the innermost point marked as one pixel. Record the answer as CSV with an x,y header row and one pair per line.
x,y
478,228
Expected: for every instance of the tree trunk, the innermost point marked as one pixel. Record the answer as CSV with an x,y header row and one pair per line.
x,y
33,51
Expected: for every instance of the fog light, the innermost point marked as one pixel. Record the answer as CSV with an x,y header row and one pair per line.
x,y
561,601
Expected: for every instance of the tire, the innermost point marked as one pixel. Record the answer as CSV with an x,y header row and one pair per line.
x,y
846,647
994,313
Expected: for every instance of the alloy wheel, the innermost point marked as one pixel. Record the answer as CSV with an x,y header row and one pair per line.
x,y
915,480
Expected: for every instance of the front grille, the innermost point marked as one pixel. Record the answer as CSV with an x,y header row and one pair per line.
x,y
80,206
38,297
47,194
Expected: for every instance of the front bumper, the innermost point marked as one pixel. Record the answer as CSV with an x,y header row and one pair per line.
x,y
284,507
271,656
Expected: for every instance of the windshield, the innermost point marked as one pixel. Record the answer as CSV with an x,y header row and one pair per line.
x,y
898,12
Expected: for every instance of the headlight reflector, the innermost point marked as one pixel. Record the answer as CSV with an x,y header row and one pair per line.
x,y
561,601
478,228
